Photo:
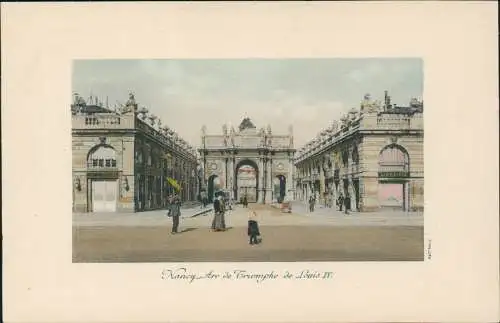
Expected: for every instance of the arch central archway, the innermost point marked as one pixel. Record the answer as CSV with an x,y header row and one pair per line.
x,y
213,186
247,180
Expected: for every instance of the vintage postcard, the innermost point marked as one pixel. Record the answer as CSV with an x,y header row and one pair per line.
x,y
250,162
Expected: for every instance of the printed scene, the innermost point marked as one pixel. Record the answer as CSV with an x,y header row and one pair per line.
x,y
247,160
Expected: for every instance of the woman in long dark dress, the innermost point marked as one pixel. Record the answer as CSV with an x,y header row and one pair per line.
x,y
218,221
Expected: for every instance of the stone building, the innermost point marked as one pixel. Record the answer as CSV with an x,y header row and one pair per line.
x,y
375,154
121,160
248,162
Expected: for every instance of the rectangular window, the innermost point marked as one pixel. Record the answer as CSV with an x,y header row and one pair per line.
x,y
113,163
94,162
101,162
108,162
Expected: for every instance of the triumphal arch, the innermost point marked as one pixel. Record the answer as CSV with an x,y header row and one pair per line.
x,y
248,162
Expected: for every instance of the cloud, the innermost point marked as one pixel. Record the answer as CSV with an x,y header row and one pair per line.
x,y
307,93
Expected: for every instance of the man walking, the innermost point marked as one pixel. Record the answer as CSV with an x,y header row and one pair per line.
x,y
340,201
312,201
175,212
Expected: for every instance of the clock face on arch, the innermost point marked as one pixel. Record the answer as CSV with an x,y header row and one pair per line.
x,y
213,166
280,166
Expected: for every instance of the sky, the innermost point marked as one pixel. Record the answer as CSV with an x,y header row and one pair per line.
x,y
308,94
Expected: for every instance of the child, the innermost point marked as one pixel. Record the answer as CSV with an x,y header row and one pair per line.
x,y
253,228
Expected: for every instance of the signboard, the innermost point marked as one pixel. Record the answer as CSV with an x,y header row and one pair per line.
x,y
102,174
393,174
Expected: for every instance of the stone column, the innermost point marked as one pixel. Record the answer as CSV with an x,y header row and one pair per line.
x,y
417,194
352,194
368,187
261,187
321,184
290,184
231,176
269,181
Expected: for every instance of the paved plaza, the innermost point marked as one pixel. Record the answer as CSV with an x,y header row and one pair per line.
x,y
324,235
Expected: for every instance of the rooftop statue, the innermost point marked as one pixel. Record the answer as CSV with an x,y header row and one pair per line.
x,y
335,126
78,100
415,103
130,105
345,121
353,113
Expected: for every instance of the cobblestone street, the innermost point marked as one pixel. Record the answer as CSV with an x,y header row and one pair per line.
x,y
286,237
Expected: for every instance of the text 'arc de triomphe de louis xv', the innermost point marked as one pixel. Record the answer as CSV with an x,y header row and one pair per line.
x,y
249,162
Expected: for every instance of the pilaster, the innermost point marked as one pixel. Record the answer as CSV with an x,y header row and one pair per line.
x,y
269,182
368,187
261,187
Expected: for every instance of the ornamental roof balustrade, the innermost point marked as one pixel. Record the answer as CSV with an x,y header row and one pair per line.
x,y
355,126
101,121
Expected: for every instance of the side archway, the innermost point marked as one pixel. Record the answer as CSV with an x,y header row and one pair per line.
x,y
393,173
213,186
394,160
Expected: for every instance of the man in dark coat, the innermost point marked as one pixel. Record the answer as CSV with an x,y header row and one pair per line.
x,y
347,203
312,201
340,202
175,212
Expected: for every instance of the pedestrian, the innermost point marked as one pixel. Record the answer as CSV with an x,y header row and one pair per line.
x,y
218,223
312,201
204,199
253,228
245,201
340,202
174,211
347,202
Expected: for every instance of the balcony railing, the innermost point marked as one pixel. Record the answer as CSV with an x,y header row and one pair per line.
x,y
394,121
393,171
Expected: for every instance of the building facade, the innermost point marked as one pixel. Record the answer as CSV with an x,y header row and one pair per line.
x,y
246,161
374,154
121,160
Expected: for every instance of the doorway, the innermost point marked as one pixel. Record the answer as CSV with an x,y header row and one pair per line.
x,y
104,195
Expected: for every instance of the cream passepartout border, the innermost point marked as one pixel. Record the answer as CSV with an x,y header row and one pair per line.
x,y
459,46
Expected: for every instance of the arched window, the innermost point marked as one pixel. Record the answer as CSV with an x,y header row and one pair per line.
x,y
394,158
345,157
139,158
102,157
355,155
153,159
